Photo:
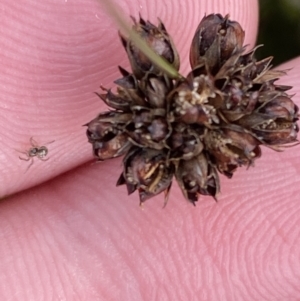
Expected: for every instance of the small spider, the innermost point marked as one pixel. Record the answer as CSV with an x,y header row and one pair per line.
x,y
35,151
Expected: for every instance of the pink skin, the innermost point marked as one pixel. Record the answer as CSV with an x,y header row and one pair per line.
x,y
76,236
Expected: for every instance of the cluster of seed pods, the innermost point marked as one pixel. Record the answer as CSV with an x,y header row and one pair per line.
x,y
192,128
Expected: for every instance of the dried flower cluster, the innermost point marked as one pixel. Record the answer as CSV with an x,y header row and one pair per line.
x,y
214,120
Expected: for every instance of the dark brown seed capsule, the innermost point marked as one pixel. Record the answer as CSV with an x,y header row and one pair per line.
x,y
106,134
145,170
156,89
115,147
158,40
197,176
215,40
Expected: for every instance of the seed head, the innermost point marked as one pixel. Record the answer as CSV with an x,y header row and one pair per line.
x,y
212,121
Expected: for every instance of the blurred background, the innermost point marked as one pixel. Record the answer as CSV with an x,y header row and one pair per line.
x,y
279,30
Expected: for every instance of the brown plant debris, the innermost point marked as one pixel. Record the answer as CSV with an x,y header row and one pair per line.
x,y
212,121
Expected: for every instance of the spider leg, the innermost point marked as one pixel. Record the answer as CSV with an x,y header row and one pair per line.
x,y
49,142
25,159
25,153
29,165
42,159
33,142
21,152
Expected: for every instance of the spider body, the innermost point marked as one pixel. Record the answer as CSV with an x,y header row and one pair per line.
x,y
39,152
